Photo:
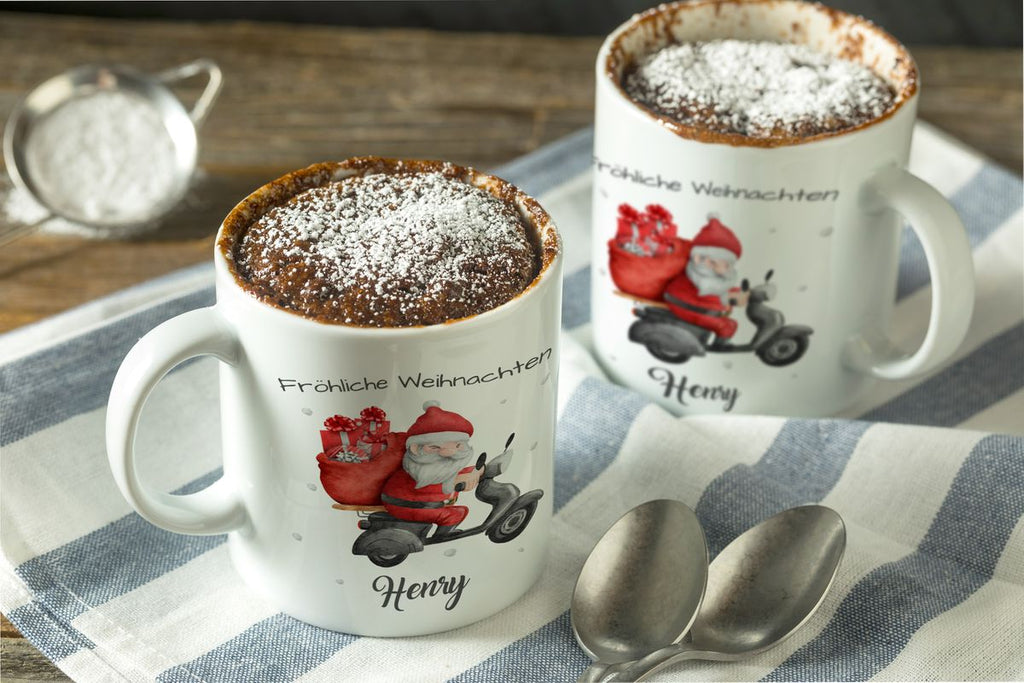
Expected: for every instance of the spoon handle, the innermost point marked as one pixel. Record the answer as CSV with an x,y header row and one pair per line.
x,y
640,669
594,673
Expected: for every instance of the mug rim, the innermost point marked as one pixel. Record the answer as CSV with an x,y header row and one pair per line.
x,y
611,57
281,189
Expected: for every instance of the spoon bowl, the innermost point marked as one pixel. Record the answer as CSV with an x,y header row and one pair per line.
x,y
641,586
765,585
761,588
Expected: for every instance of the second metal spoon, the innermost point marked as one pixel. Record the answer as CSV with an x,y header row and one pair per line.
x,y
761,588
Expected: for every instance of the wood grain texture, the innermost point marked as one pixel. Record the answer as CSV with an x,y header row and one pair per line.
x,y
297,95
19,661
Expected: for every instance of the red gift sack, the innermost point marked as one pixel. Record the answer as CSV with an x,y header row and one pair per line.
x,y
645,253
646,276
360,483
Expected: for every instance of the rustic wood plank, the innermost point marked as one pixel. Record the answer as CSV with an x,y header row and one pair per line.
x,y
298,94
975,94
310,93
19,661
295,95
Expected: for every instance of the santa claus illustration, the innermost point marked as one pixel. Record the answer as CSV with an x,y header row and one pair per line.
x,y
705,292
438,457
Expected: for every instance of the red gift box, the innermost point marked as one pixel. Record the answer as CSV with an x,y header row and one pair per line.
x,y
359,454
628,225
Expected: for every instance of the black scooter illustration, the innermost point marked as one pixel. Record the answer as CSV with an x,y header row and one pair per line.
x,y
387,541
673,340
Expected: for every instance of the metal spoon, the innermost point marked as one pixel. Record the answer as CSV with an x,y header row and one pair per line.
x,y
761,588
641,586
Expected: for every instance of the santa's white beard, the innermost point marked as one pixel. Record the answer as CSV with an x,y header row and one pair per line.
x,y
707,281
433,468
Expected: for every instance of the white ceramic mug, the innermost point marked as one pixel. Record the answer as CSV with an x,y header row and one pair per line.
x,y
317,420
815,222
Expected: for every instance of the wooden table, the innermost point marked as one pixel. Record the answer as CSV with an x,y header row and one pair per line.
x,y
297,95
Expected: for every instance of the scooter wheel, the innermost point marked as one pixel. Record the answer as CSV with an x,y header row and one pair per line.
x,y
385,547
665,354
782,351
512,523
385,559
665,341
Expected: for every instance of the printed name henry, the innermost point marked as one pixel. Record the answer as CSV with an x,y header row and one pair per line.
x,y
445,586
682,389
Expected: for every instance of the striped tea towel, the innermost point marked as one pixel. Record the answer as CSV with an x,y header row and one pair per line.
x,y
928,475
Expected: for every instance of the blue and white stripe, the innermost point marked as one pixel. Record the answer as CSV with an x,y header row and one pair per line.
x,y
932,585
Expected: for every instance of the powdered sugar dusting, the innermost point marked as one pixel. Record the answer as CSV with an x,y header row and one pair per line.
x,y
758,89
389,250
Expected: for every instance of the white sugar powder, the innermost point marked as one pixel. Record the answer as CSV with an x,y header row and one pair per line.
x,y
759,89
18,207
393,247
104,157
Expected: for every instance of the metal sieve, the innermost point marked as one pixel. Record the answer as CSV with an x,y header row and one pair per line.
x,y
86,80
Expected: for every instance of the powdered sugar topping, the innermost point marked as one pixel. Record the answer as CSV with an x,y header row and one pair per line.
x,y
389,250
758,89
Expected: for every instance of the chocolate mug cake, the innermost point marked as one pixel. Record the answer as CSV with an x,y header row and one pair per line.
x,y
758,89
395,244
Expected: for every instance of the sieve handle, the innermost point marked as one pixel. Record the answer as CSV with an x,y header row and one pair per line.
x,y
14,232
214,81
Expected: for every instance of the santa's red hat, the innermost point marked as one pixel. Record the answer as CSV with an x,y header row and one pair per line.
x,y
717,241
436,425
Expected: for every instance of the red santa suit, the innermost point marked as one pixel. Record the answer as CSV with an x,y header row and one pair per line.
x,y
402,498
684,299
400,494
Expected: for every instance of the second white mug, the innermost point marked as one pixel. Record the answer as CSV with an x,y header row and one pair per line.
x,y
809,226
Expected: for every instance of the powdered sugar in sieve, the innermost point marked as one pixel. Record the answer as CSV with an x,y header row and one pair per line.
x,y
105,157
103,148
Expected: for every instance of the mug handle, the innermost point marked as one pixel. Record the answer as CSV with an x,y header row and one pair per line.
x,y
950,263
214,81
214,510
